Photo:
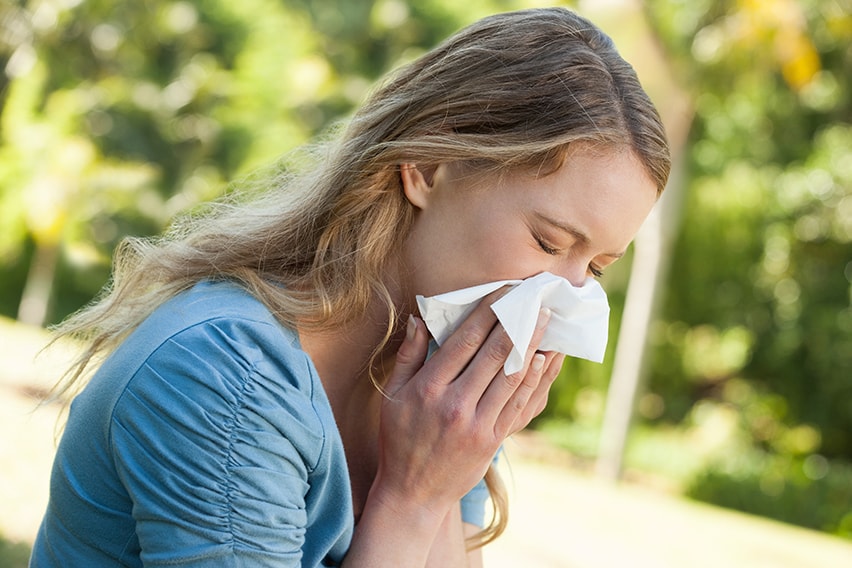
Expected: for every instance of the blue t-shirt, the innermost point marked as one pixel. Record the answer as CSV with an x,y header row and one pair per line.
x,y
205,439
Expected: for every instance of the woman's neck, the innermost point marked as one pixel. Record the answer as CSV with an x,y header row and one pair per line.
x,y
343,355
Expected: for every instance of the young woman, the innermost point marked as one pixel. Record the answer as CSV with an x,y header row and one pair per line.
x,y
265,396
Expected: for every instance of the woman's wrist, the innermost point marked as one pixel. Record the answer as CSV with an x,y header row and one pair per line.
x,y
394,529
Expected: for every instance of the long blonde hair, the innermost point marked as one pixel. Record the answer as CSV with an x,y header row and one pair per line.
x,y
511,91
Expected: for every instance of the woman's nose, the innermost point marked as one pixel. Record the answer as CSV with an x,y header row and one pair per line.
x,y
574,272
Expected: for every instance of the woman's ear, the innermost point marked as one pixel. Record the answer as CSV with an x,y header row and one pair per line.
x,y
417,184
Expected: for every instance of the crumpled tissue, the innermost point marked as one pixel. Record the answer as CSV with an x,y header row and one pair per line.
x,y
578,324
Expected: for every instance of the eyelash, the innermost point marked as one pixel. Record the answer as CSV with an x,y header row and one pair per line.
x,y
596,272
545,247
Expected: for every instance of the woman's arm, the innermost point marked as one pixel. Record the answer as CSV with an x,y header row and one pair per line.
x,y
474,557
449,549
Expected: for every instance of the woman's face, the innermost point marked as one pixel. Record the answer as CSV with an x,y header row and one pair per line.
x,y
573,223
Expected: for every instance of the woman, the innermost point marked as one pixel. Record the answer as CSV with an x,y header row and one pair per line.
x,y
266,397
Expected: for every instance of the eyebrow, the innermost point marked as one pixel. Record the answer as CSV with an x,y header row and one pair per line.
x,y
574,232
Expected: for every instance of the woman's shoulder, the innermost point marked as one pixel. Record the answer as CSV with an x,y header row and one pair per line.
x,y
220,320
211,308
214,329
216,299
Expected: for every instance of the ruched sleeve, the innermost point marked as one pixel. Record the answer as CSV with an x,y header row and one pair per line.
x,y
215,446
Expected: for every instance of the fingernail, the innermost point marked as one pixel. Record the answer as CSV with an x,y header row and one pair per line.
x,y
537,362
543,317
411,328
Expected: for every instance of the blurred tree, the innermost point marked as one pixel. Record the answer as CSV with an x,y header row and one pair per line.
x,y
121,114
761,286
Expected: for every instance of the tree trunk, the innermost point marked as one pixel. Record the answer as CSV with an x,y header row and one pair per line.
x,y
38,288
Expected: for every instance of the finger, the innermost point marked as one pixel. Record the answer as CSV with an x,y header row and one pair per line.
x,y
463,345
498,391
487,367
538,400
410,356
519,401
544,315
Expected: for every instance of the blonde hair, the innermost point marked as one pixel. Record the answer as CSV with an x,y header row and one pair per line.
x,y
511,91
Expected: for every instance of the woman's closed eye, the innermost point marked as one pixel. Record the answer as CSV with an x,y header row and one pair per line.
x,y
547,247
595,271
544,245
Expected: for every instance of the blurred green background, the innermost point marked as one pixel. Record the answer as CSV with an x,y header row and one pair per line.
x,y
116,115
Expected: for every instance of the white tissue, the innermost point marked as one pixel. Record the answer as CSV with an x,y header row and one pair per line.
x,y
578,323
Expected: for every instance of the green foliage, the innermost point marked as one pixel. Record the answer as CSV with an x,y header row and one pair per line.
x,y
761,282
756,462
757,323
13,554
810,492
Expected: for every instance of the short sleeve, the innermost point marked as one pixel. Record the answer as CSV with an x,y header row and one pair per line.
x,y
215,446
473,505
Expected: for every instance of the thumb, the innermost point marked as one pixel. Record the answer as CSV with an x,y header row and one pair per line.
x,y
410,356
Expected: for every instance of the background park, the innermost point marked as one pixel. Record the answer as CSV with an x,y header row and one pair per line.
x,y
728,379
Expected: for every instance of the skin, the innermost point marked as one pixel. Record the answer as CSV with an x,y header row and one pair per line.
x,y
412,456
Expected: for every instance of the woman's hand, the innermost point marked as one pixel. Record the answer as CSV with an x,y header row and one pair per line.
x,y
442,423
